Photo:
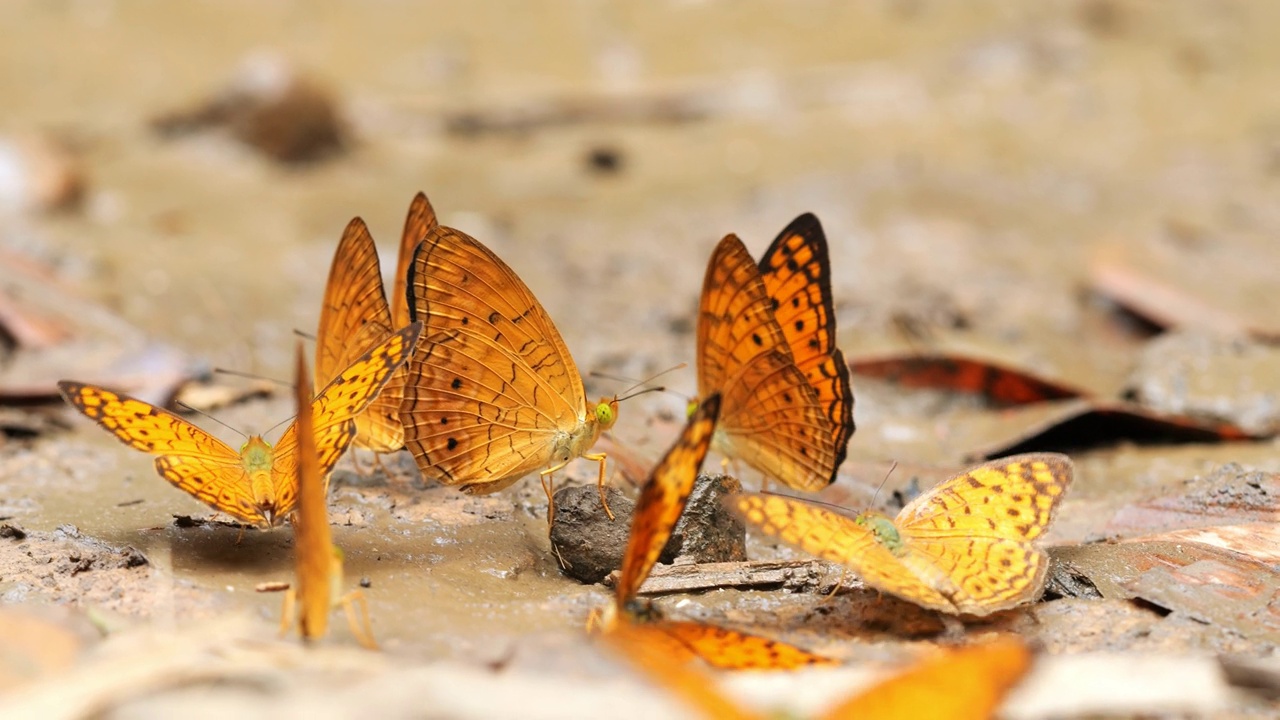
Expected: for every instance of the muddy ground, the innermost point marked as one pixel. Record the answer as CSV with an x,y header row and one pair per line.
x,y
998,180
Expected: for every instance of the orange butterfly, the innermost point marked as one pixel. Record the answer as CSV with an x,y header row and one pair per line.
x,y
766,341
355,317
258,483
964,546
493,393
318,560
662,501
964,683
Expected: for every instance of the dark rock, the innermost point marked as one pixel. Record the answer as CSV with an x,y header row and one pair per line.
x,y
590,546
12,532
1068,581
708,531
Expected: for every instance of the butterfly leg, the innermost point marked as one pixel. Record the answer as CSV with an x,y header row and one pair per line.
x,y
837,586
362,626
378,466
600,458
286,612
547,478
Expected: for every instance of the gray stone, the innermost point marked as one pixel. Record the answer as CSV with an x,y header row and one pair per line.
x,y
590,546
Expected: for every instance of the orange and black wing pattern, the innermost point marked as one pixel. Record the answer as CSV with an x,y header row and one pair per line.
x,y
796,270
420,220
663,498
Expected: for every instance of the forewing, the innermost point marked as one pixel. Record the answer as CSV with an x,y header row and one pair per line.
x,y
735,321
355,316
837,538
312,539
734,650
1011,498
796,270
966,683
420,220
334,408
190,458
663,498
667,662
491,383
354,319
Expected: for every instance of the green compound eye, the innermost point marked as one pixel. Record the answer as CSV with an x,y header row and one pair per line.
x,y
691,408
604,414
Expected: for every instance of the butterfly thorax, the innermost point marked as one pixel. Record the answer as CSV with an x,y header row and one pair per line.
x,y
885,532
574,444
258,456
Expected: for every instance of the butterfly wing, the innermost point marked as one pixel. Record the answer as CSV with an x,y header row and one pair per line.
x,y
332,411
1014,498
974,532
190,458
770,416
772,423
796,270
353,319
492,384
966,683
666,661
733,650
312,539
832,536
663,498
420,220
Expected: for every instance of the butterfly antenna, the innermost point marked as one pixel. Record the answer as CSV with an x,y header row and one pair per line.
x,y
251,376
838,509
273,427
304,334
640,392
638,383
187,407
892,467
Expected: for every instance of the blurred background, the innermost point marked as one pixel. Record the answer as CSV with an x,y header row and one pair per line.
x,y
191,166
1047,186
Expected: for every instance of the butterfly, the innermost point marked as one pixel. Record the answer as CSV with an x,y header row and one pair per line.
x,y
661,503
963,683
963,547
766,341
492,392
355,317
258,483
318,560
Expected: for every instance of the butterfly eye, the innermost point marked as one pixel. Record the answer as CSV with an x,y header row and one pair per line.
x,y
691,408
604,414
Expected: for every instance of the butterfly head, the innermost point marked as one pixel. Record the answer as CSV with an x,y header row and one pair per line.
x,y
691,408
256,454
883,529
607,412
641,610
